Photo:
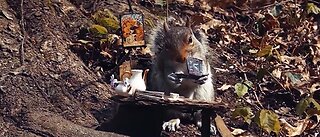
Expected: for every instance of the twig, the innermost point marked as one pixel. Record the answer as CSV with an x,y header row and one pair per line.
x,y
257,99
167,3
254,92
24,34
276,80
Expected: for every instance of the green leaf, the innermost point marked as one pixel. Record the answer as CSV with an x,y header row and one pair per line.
x,y
266,51
109,23
315,103
268,121
248,83
241,89
106,19
302,106
98,29
305,103
311,8
244,112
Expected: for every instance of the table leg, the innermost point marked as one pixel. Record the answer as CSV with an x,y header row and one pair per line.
x,y
205,128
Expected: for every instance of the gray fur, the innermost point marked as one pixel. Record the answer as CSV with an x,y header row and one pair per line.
x,y
162,43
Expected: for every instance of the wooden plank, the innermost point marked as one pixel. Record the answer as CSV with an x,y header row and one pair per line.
x,y
143,98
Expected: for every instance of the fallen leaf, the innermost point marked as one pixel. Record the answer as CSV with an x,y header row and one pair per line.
x,y
291,130
314,87
222,127
292,60
213,23
98,29
312,8
224,87
294,78
268,121
241,89
300,126
266,51
106,54
238,131
302,106
244,112
277,73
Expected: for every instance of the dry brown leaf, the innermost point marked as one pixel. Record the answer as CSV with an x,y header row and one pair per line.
x,y
201,18
222,127
106,54
300,126
291,130
314,87
224,87
213,23
237,131
277,73
271,22
297,60
146,50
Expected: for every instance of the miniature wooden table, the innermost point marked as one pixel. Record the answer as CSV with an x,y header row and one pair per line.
x,y
140,98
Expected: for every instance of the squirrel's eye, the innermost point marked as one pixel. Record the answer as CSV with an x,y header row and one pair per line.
x,y
190,40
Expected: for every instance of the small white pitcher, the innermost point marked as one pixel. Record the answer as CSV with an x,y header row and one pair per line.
x,y
136,81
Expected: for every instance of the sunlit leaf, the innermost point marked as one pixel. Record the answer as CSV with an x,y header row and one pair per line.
x,y
302,106
315,103
109,23
244,112
248,83
266,51
268,121
241,89
98,29
106,19
277,73
159,2
312,8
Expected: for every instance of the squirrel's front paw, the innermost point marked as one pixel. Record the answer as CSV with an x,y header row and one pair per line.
x,y
175,77
202,80
171,125
213,130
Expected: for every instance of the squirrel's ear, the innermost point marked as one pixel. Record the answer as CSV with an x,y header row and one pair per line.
x,y
188,23
165,26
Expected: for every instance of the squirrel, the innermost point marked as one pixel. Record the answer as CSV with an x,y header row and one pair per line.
x,y
171,45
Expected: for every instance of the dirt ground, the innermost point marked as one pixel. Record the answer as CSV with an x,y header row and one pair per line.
x,y
49,90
